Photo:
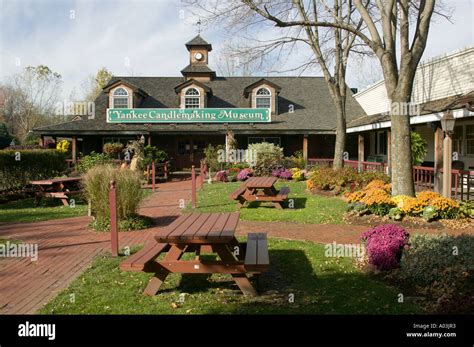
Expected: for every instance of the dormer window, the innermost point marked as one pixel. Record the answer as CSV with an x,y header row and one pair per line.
x,y
263,98
120,98
192,98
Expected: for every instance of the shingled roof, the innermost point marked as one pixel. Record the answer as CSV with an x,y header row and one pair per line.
x,y
434,106
304,106
198,41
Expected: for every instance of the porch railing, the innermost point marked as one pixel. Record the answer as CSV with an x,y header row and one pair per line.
x,y
362,166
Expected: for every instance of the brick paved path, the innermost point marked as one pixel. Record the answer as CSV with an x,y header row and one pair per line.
x,y
66,247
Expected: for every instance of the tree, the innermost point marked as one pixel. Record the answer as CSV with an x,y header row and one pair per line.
x,y
384,23
331,46
93,85
30,99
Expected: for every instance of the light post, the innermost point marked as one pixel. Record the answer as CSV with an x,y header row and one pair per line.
x,y
447,124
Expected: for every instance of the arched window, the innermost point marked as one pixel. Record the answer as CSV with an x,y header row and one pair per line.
x,y
263,98
120,98
191,98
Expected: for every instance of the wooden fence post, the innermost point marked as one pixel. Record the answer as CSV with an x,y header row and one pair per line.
x,y
148,174
113,218
201,175
193,186
153,174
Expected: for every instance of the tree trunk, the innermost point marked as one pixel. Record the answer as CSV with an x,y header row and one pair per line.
x,y
402,171
340,145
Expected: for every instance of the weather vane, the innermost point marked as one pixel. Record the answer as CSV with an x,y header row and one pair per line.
x,y
199,25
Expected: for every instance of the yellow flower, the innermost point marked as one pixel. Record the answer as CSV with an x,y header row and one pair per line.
x,y
412,205
376,196
356,196
444,204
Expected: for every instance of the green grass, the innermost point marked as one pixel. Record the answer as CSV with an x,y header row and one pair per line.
x,y
25,210
308,208
320,285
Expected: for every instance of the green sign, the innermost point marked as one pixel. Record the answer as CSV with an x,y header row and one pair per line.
x,y
188,115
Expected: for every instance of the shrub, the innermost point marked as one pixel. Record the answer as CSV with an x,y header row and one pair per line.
x,y
269,157
94,159
412,206
152,153
446,208
113,148
32,165
298,161
25,147
132,223
221,176
418,148
211,157
384,245
433,258
244,174
5,137
96,184
466,208
378,184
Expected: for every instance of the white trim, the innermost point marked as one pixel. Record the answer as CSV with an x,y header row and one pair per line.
x,y
432,117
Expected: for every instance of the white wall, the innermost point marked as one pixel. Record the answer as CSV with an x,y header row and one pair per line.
x,y
446,75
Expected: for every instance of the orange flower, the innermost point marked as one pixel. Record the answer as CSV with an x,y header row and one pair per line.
x,y
376,196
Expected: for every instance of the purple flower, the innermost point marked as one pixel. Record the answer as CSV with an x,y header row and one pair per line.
x,y
286,174
244,174
221,176
384,245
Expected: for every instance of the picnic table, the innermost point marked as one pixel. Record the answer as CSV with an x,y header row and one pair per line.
x,y
61,188
260,189
201,233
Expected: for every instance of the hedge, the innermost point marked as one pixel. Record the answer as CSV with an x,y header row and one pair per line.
x,y
18,167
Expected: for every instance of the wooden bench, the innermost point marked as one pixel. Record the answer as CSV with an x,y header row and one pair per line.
x,y
238,195
256,253
283,193
138,261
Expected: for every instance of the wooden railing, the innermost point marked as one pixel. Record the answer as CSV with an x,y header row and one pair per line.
x,y
423,176
361,166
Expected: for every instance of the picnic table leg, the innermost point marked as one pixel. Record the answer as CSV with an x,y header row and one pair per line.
x,y
65,202
175,253
278,205
241,279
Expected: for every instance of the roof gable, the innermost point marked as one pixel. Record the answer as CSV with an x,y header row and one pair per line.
x,y
261,81
116,82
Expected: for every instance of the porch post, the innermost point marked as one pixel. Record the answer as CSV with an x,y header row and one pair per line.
x,y
41,141
447,162
74,149
438,159
149,139
389,152
360,155
305,148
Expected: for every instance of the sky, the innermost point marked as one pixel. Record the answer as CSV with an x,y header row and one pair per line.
x,y
146,38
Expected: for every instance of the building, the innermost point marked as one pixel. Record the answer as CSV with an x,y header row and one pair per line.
x,y
183,115
444,83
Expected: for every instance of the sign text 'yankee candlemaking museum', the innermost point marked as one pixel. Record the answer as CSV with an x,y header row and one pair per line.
x,y
184,115
188,115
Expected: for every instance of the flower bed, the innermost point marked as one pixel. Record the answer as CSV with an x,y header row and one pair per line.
x,y
346,179
375,198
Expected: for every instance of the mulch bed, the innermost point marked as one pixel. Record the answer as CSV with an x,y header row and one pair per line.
x,y
372,220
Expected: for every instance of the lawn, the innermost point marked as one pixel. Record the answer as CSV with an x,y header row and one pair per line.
x,y
308,208
25,210
299,270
